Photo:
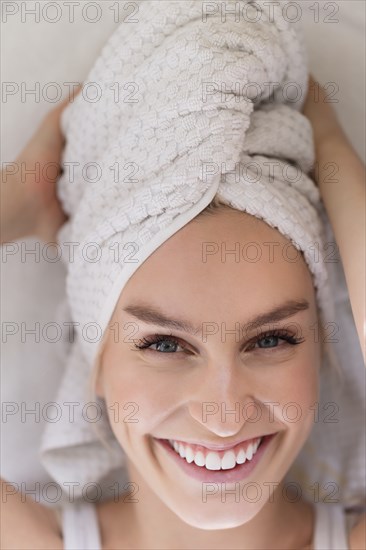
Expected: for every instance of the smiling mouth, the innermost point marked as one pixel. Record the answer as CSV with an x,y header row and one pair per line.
x,y
217,460
233,465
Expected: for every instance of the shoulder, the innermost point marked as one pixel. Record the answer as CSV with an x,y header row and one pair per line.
x,y
357,537
26,524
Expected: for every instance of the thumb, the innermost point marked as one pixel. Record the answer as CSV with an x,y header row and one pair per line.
x,y
51,126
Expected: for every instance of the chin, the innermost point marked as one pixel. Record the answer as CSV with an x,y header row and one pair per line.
x,y
212,520
217,524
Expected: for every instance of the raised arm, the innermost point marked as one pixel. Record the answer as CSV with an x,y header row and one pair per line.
x,y
340,175
29,204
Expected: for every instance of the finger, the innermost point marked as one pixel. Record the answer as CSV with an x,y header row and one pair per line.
x,y
74,93
68,99
51,125
312,82
311,78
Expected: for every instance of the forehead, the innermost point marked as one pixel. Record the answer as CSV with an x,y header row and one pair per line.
x,y
223,260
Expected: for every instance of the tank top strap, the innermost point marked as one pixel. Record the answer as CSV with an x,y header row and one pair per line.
x,y
80,526
330,527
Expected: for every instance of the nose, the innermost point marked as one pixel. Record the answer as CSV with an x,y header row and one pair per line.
x,y
222,401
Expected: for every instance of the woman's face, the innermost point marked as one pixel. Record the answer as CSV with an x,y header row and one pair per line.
x,y
222,381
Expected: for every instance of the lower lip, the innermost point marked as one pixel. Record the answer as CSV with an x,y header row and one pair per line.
x,y
238,473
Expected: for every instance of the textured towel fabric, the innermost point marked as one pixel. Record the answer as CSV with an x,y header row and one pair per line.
x,y
195,117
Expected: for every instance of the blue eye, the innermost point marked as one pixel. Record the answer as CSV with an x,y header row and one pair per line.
x,y
267,340
273,337
159,340
270,340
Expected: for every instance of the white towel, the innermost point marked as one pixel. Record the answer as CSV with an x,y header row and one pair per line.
x,y
186,115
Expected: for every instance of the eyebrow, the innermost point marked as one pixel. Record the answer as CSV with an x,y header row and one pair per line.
x,y
147,314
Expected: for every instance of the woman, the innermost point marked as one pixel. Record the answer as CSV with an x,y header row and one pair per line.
x,y
181,504
39,524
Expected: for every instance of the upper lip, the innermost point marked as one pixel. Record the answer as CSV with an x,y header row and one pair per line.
x,y
218,446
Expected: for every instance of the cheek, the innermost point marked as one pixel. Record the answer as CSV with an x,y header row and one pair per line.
x,y
297,390
144,395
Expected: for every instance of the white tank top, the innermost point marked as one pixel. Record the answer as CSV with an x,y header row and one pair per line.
x,y
80,527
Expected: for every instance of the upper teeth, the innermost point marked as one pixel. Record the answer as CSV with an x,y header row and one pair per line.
x,y
212,460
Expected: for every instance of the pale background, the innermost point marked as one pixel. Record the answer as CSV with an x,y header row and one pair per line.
x,y
63,52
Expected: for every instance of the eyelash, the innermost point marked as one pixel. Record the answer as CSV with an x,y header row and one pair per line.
x,y
144,343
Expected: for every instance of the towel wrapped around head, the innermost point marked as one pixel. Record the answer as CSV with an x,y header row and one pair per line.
x,y
180,106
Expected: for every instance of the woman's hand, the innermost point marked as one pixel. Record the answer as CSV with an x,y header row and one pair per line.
x,y
29,204
318,109
340,175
